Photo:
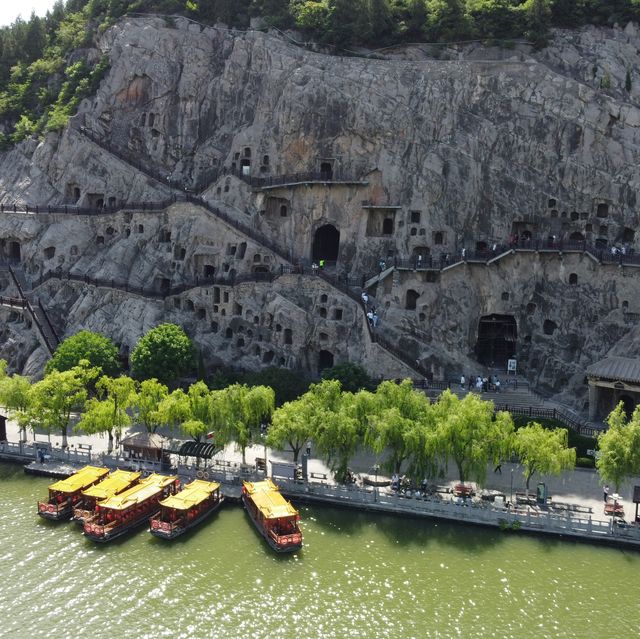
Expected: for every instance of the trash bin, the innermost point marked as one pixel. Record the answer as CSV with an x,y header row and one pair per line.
x,y
541,494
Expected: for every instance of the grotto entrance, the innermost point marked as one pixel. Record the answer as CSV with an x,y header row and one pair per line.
x,y
325,360
496,343
326,243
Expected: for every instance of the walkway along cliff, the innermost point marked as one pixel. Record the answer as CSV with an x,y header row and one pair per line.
x,y
245,159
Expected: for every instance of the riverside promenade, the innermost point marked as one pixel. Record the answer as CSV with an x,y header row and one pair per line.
x,y
575,510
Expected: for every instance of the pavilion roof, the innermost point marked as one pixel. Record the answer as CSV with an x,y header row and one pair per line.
x,y
622,369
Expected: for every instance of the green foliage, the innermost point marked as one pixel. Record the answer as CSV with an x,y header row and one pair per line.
x,y
109,414
165,352
619,447
352,377
97,349
585,462
468,434
191,411
292,424
246,408
52,399
400,423
145,404
543,450
286,384
15,396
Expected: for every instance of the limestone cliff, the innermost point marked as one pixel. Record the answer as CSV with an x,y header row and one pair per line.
x,y
407,158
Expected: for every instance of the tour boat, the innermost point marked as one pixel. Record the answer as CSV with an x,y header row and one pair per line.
x,y
121,513
186,509
274,517
117,482
66,494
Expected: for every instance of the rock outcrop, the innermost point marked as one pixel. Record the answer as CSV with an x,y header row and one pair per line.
x,y
407,158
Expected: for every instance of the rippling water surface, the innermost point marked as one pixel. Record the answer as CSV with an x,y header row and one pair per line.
x,y
359,575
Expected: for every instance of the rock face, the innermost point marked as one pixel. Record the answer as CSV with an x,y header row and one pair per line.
x,y
407,158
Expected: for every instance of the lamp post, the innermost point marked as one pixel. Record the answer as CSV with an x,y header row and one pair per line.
x,y
376,468
511,487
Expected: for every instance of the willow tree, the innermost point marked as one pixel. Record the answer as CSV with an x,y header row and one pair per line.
x,y
619,447
190,411
145,404
292,424
14,396
543,450
54,398
339,421
397,409
109,413
246,409
469,434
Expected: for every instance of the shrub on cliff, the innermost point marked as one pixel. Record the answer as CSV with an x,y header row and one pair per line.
x,y
165,352
97,349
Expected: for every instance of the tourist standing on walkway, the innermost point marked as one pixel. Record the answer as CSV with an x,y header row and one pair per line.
x,y
462,382
606,493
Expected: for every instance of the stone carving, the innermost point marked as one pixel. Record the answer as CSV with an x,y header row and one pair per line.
x,y
363,160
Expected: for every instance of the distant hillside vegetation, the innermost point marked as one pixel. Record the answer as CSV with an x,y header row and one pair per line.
x,y
47,64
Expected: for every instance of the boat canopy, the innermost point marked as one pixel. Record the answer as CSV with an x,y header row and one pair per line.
x,y
138,493
82,479
193,494
268,500
116,482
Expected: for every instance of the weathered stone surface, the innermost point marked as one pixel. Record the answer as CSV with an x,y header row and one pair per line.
x,y
472,147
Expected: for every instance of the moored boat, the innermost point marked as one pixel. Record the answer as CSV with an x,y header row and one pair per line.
x,y
274,517
184,510
66,494
116,483
121,513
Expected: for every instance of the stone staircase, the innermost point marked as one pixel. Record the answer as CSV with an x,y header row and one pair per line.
x,y
39,316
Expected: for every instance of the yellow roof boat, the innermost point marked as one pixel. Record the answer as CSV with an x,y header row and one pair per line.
x,y
138,493
192,495
267,498
82,479
115,483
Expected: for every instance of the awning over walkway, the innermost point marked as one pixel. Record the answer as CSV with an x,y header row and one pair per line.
x,y
203,450
623,369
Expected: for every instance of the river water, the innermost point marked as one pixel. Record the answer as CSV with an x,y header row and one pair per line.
x,y
359,575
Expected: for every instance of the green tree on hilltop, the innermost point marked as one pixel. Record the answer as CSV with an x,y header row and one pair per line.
x,y
165,353
98,350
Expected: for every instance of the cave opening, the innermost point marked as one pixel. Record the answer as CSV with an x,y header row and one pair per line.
x,y
325,360
497,335
326,243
